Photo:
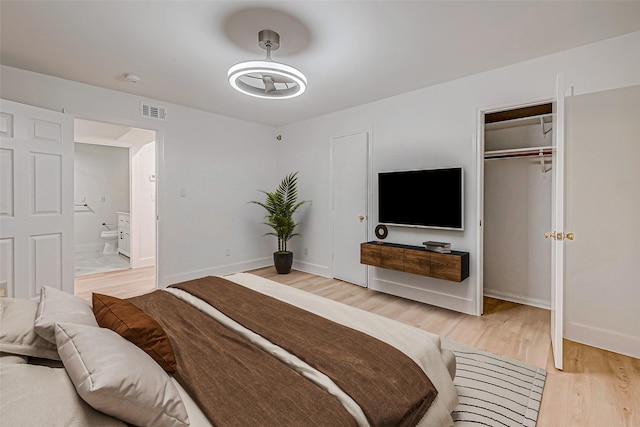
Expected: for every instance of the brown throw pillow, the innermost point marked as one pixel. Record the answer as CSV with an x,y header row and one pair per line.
x,y
136,326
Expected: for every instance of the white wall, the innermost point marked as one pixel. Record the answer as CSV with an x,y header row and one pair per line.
x,y
436,126
99,171
517,212
218,161
143,206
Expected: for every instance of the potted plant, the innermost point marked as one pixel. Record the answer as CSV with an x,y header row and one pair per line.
x,y
280,206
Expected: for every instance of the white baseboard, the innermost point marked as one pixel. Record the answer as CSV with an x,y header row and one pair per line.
x,y
508,296
307,267
221,270
603,338
143,262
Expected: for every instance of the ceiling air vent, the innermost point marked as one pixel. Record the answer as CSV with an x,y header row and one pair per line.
x,y
153,112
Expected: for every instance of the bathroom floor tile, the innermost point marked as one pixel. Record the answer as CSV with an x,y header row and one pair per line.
x,y
96,262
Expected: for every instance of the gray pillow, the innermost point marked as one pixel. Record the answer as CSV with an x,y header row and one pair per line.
x,y
116,377
17,334
56,306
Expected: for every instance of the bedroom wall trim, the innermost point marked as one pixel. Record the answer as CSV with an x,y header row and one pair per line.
x,y
479,148
308,267
606,339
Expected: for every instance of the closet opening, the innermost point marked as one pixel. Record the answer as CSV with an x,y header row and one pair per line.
x,y
517,205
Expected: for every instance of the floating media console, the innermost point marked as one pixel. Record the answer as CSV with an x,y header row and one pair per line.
x,y
416,259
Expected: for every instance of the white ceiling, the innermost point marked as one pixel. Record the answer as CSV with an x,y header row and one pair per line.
x,y
352,52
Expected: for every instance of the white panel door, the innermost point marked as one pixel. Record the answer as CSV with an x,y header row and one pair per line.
x,y
36,200
557,224
350,172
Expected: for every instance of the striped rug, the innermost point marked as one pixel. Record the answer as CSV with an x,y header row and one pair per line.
x,y
495,391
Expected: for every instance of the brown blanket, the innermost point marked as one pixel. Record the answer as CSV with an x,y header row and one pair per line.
x,y
233,382
390,388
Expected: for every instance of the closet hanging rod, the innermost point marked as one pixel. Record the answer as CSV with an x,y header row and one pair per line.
x,y
541,154
514,154
534,150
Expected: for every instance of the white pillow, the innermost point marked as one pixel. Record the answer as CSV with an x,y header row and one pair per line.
x,y
115,377
60,307
17,335
33,395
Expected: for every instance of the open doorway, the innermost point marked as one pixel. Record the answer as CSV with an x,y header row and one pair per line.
x,y
115,200
517,204
101,196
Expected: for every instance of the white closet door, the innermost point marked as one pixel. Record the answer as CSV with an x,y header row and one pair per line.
x,y
557,224
36,200
350,173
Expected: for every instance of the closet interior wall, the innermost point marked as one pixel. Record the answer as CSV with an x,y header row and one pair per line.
x,y
517,211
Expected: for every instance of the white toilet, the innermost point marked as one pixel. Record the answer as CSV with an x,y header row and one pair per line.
x,y
111,245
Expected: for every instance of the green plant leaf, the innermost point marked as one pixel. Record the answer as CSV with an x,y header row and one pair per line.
x,y
280,206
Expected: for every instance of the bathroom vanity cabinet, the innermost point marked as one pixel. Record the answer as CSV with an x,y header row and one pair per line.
x,y
124,242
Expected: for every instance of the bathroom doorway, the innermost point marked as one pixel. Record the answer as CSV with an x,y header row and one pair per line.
x,y
114,197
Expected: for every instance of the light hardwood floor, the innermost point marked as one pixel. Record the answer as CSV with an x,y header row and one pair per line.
x,y
122,283
597,388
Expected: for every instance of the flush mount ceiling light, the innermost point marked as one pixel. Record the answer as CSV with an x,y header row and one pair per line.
x,y
132,78
267,78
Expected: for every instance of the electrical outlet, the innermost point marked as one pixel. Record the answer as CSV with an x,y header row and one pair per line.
x,y
306,251
103,199
227,252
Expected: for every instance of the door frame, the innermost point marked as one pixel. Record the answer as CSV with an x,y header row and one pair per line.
x,y
369,192
159,167
480,132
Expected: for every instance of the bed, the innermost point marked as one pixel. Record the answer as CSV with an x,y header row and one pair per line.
x,y
279,356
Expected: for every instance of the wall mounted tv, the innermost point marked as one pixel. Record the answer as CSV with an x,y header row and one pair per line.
x,y
432,198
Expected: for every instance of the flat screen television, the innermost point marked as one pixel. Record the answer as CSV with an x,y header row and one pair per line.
x,y
432,198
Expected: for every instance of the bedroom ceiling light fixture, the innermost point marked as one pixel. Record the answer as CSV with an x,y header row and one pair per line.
x,y
267,78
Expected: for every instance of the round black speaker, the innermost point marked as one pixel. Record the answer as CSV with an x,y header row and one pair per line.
x,y
381,231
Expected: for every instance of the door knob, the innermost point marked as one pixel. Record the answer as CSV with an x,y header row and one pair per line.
x,y
361,218
559,235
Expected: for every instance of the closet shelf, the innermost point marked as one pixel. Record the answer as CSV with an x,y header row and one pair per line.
x,y
521,121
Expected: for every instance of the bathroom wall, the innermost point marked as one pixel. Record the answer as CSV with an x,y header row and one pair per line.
x,y
101,175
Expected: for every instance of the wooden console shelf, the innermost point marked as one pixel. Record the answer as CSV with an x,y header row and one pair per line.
x,y
416,260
